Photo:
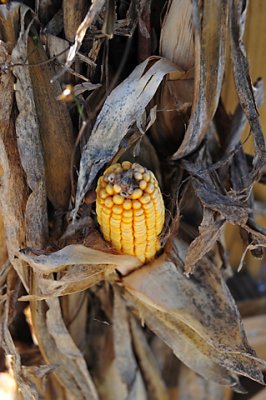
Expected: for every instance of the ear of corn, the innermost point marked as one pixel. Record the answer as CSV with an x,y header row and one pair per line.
x,y
130,209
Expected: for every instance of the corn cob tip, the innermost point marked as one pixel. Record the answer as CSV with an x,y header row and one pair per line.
x,y
130,209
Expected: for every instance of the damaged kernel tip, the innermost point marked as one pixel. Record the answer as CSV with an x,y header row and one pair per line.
x,y
130,209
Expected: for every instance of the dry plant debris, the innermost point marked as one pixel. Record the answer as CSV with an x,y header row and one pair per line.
x,y
79,318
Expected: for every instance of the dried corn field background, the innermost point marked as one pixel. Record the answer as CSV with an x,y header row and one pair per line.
x,y
166,84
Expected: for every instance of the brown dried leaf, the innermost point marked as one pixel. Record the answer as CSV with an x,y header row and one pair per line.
x,y
192,386
77,254
28,390
76,279
243,83
13,191
80,383
55,127
73,11
211,24
3,249
75,314
176,40
147,363
229,206
203,312
125,361
29,143
209,233
9,23
93,11
122,108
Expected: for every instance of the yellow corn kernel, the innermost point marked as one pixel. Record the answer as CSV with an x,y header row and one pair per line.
x,y
117,199
128,214
138,212
117,209
126,165
146,177
138,176
145,199
109,189
143,184
117,188
127,204
136,194
150,188
103,194
136,205
108,202
132,225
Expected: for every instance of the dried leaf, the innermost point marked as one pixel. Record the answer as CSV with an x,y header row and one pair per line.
x,y
193,307
28,391
209,233
124,356
29,142
3,249
243,83
73,11
13,191
123,107
80,384
78,255
147,363
176,40
211,24
229,206
193,386
75,279
55,127
93,11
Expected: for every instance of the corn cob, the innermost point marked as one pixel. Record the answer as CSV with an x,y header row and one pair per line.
x,y
130,209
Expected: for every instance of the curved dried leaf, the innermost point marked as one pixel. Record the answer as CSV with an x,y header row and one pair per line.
x,y
185,344
28,390
176,40
122,108
93,11
191,384
124,356
202,308
243,83
28,139
73,12
13,190
77,254
211,24
80,383
55,126
148,365
75,279
209,232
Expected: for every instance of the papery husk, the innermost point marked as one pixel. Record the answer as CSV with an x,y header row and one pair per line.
x,y
210,338
14,191
26,387
93,11
191,385
176,40
55,127
210,23
3,249
89,267
111,357
147,363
